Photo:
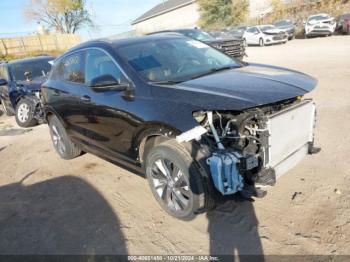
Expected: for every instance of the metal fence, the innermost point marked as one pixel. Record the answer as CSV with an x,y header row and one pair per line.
x,y
21,46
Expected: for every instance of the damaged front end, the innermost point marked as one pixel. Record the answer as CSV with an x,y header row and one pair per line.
x,y
249,150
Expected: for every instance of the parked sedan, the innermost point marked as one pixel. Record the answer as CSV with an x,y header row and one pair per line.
x,y
343,24
320,25
286,25
264,35
20,83
198,123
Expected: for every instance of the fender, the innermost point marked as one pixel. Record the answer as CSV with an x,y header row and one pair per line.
x,y
148,130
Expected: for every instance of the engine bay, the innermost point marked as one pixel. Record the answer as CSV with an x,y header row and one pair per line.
x,y
240,144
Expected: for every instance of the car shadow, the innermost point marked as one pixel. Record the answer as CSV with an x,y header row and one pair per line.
x,y
233,230
64,215
232,223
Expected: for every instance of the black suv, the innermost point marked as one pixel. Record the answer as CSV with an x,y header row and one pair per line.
x,y
233,47
200,124
20,82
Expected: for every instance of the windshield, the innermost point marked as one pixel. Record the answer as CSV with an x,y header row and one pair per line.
x,y
197,34
267,27
318,18
283,23
35,69
174,60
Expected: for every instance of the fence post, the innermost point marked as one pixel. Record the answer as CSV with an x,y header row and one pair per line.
x,y
41,45
56,42
23,46
4,45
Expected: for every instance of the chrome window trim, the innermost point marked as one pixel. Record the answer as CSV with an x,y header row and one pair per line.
x,y
104,51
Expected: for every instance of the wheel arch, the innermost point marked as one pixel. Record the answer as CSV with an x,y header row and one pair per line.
x,y
49,112
149,135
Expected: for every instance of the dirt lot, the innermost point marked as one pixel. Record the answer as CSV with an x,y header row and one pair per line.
x,y
90,206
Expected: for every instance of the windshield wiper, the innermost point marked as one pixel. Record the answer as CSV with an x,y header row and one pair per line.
x,y
167,82
213,70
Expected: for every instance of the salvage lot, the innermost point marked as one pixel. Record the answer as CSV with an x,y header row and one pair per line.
x,y
90,206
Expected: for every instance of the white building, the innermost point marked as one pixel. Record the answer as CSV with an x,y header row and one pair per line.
x,y
174,14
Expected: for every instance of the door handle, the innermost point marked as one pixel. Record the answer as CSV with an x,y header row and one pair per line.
x,y
85,99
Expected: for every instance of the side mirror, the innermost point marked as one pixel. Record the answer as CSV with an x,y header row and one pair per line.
x,y
106,83
3,82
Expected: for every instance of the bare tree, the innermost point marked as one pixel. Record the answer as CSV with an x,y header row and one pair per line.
x,y
66,16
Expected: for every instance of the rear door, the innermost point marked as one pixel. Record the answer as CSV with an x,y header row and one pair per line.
x,y
63,92
252,35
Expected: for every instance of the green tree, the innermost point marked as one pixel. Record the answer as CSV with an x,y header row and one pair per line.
x,y
66,16
217,14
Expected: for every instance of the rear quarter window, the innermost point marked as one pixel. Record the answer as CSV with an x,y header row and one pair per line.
x,y
70,69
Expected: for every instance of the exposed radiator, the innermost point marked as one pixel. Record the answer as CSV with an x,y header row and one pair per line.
x,y
290,131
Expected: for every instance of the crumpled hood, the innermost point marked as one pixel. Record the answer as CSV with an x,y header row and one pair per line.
x,y
245,87
273,31
31,86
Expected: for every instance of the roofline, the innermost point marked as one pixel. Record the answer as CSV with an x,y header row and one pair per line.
x,y
161,13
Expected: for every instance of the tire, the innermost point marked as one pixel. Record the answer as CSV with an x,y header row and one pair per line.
x,y
261,42
25,113
175,180
5,109
61,141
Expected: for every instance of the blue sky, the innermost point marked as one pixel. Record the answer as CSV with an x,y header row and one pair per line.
x,y
111,16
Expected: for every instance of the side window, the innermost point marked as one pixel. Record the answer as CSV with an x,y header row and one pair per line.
x,y
251,30
98,63
69,69
73,68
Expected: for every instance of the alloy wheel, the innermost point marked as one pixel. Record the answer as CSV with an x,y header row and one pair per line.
x,y
23,112
261,42
171,185
58,140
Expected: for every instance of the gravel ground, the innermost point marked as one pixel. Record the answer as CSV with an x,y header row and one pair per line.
x,y
90,206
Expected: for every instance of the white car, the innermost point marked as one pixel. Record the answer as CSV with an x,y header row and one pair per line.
x,y
264,35
320,24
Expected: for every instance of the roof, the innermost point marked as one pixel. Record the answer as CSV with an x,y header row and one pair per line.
x,y
31,59
120,42
162,8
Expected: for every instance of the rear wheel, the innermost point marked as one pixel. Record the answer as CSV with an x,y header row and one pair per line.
x,y
261,42
175,180
61,141
25,113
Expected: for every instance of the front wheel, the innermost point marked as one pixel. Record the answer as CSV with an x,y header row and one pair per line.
x,y
25,113
261,42
61,141
175,180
